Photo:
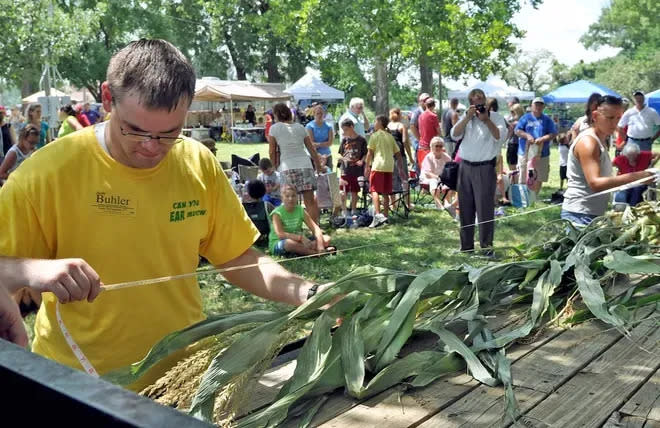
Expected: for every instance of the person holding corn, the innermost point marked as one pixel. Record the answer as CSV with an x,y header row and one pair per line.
x,y
130,199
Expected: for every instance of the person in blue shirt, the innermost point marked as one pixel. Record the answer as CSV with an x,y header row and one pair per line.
x,y
91,114
535,131
322,135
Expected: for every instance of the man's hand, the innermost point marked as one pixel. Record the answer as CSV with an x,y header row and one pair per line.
x,y
530,139
359,162
471,112
539,141
655,174
68,279
11,322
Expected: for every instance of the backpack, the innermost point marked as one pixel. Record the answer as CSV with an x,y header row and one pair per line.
x,y
449,175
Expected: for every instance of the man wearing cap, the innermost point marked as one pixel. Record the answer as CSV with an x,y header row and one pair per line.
x,y
641,121
483,133
429,127
535,131
449,119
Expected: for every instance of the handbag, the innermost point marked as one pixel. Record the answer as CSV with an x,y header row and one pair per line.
x,y
449,175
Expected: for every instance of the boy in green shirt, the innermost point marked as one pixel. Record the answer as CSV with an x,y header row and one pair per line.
x,y
382,150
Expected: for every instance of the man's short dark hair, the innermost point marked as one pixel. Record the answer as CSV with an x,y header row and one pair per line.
x,y
347,123
256,189
383,120
153,70
265,164
453,101
282,112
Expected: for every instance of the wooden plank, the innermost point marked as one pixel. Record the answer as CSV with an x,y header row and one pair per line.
x,y
646,402
604,385
535,376
617,420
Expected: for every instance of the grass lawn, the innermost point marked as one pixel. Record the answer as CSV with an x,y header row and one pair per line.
x,y
427,239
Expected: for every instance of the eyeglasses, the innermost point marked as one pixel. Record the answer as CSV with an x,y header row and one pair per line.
x,y
143,137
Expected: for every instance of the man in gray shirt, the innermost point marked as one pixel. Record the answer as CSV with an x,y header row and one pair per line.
x,y
483,133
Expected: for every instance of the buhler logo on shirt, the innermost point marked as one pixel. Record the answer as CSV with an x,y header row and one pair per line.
x,y
114,204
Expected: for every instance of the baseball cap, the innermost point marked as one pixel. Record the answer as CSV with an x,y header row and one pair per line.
x,y
423,97
538,100
638,93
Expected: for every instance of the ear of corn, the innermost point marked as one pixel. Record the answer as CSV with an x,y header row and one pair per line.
x,y
382,308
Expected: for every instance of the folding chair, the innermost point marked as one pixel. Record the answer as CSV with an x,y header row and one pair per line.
x,y
247,173
420,192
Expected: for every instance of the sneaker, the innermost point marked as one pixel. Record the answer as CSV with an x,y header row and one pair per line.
x,y
379,219
499,212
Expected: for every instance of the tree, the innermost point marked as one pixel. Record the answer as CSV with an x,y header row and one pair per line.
x,y
458,37
628,24
529,70
32,36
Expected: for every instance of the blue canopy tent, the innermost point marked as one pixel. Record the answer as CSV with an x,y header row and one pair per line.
x,y
577,92
653,100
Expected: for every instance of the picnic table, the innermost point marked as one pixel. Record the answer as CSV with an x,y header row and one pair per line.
x,y
589,376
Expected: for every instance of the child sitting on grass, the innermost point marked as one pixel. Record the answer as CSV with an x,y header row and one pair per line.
x,y
286,234
271,179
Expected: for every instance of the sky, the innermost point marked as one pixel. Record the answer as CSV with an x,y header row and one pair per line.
x,y
557,25
569,20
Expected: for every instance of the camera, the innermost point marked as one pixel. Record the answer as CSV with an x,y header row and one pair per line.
x,y
481,108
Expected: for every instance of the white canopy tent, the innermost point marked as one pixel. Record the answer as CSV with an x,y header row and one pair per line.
x,y
310,87
216,90
493,87
34,98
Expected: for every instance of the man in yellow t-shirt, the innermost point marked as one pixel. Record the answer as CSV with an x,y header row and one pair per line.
x,y
381,152
129,199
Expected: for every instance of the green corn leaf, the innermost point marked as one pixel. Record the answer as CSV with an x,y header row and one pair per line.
x,y
352,356
411,365
622,262
544,289
245,353
593,296
177,340
450,363
476,368
402,316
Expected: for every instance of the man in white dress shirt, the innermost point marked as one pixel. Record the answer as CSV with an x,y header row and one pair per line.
x,y
483,134
642,121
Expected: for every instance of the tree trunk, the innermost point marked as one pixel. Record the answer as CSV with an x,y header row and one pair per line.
x,y
273,74
441,96
425,74
382,87
241,72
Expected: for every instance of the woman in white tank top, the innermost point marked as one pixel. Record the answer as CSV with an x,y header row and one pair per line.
x,y
27,141
590,168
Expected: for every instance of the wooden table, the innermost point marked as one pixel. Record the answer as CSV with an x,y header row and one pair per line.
x,y
586,376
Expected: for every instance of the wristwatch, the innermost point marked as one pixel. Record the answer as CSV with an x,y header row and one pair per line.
x,y
312,291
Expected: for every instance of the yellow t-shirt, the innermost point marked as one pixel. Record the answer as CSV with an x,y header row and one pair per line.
x,y
71,199
384,147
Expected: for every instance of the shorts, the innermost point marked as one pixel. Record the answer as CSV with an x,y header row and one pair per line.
x,y
512,153
433,183
562,172
543,169
380,182
352,185
302,179
280,250
421,154
577,219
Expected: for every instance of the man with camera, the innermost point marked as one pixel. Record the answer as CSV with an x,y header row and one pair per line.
x,y
483,133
